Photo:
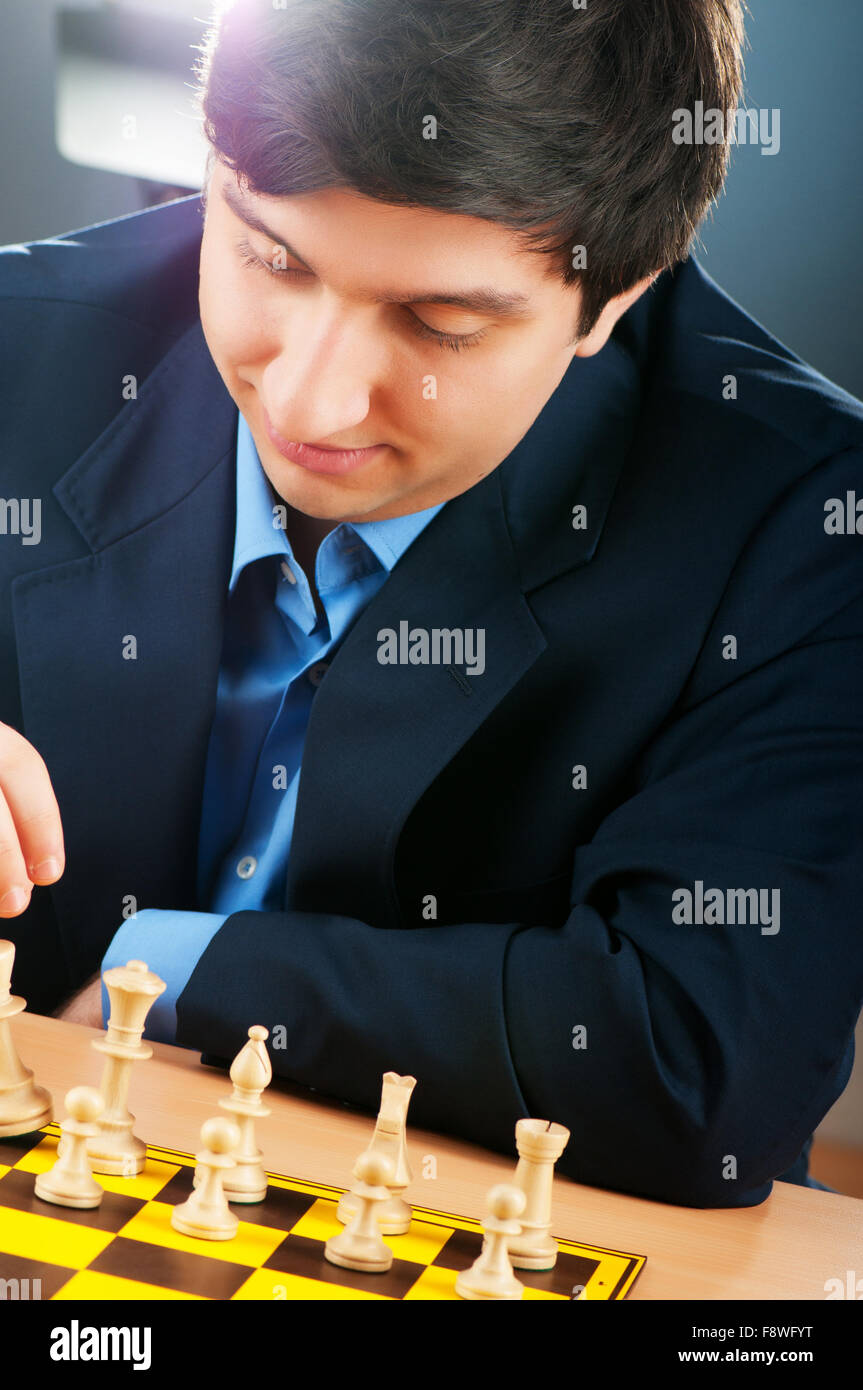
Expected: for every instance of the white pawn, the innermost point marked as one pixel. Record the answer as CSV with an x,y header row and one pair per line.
x,y
360,1245
206,1213
491,1275
70,1182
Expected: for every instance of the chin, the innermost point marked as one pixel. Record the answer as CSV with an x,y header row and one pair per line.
x,y
327,502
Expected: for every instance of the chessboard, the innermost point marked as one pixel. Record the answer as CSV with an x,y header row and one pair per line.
x,y
126,1248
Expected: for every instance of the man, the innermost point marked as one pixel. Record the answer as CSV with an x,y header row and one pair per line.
x,y
446,689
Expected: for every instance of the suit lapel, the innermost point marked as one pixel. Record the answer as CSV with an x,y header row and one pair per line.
x,y
118,650
379,734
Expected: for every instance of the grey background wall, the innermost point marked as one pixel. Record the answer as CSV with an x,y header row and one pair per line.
x,y
784,240
42,194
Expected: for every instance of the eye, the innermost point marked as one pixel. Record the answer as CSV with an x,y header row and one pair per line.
x,y
456,342
249,257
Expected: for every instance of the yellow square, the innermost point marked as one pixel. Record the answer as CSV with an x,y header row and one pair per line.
x,y
438,1283
270,1285
50,1239
252,1245
40,1158
421,1243
434,1283
319,1222
153,1177
90,1286
146,1184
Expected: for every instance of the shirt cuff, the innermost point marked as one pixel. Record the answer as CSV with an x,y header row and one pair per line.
x,y
171,943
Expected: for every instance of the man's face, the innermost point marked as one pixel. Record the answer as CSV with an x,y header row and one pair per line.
x,y
325,360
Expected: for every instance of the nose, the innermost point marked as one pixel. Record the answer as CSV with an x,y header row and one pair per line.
x,y
320,383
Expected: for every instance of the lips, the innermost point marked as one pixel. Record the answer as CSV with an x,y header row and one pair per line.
x,y
319,459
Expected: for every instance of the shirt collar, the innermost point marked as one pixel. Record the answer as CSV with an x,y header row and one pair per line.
x,y
258,533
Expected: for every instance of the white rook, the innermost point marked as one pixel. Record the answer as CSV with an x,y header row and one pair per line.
x,y
540,1144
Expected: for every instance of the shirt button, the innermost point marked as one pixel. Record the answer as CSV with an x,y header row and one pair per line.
x,y
247,866
288,573
318,671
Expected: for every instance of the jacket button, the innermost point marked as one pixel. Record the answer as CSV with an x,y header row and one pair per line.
x,y
318,671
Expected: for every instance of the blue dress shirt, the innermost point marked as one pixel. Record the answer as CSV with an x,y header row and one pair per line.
x,y
274,654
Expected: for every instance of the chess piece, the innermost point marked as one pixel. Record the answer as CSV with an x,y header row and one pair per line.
x,y
389,1138
360,1245
251,1073
24,1106
540,1144
206,1213
132,989
490,1275
70,1182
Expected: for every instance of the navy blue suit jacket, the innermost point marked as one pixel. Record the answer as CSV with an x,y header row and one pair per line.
x,y
711,1052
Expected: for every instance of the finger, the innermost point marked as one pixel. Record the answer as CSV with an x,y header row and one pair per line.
x,y
15,886
32,804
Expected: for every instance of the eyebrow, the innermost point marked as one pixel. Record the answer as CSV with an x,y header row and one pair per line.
x,y
485,299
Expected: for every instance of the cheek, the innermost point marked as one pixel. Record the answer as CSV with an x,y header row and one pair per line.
x,y
500,401
231,325
521,392
496,407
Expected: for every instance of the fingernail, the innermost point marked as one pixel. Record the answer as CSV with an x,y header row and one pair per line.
x,y
49,868
13,901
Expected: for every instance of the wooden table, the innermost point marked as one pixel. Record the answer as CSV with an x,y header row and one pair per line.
x,y
783,1249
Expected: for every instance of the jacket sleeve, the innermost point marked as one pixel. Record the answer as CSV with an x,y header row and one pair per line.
x,y
690,1060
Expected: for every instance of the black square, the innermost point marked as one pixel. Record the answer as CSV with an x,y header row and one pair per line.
x,y
27,1272
171,1269
18,1190
569,1271
301,1256
460,1250
280,1210
15,1146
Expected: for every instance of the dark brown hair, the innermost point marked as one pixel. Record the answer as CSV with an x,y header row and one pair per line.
x,y
550,120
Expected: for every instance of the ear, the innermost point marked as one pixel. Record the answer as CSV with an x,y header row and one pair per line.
x,y
614,309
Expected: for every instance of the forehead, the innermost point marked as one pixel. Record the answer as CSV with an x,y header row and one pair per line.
x,y
337,231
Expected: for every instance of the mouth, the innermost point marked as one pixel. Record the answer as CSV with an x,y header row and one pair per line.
x,y
318,458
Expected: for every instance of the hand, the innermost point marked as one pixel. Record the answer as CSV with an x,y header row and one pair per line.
x,y
30,828
85,1006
